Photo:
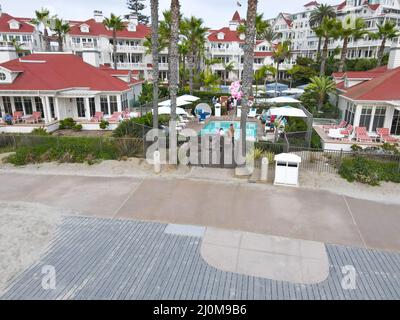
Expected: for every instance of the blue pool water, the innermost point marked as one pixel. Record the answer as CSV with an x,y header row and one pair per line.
x,y
213,126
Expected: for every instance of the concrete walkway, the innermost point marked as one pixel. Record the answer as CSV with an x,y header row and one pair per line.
x,y
292,213
123,259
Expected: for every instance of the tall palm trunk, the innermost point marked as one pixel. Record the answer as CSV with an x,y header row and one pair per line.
x,y
60,42
276,79
115,48
344,54
248,72
381,51
46,40
174,56
324,57
154,54
191,67
319,46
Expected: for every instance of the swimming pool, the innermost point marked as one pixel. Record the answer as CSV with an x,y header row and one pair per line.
x,y
213,126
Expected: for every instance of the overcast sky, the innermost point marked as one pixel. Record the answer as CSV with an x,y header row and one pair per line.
x,y
215,13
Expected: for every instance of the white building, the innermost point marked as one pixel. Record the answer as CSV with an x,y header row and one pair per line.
x,y
59,86
16,29
226,44
296,27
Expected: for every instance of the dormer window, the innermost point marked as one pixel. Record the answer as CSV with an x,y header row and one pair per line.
x,y
3,76
221,36
14,24
132,27
84,28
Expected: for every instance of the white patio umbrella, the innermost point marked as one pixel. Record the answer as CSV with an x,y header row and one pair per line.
x,y
293,91
167,110
188,97
286,112
179,103
282,100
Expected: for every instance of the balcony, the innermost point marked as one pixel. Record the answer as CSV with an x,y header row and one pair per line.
x,y
163,66
84,46
130,49
227,51
6,46
131,66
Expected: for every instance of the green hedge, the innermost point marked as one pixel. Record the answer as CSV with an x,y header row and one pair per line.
x,y
74,150
369,171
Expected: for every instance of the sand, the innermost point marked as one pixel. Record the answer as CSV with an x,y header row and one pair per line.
x,y
26,230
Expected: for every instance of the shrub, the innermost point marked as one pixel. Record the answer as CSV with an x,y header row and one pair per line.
x,y
39,132
104,124
77,127
369,171
356,148
136,127
67,123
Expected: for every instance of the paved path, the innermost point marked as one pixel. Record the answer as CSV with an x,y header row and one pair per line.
x,y
293,213
122,259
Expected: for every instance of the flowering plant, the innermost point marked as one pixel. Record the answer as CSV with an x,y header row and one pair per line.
x,y
235,90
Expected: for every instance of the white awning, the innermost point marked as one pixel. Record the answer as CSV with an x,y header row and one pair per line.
x,y
287,112
188,97
179,102
167,110
282,100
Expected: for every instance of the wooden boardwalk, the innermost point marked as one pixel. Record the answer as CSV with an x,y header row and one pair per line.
x,y
119,259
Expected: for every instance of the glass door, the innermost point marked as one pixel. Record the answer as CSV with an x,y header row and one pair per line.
x,y
396,123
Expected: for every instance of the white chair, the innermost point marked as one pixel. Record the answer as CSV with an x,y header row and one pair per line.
x,y
252,113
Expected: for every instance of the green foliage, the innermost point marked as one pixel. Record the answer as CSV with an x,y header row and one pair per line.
x,y
39,132
77,127
67,123
104,124
356,148
316,142
369,171
137,127
147,93
363,64
296,125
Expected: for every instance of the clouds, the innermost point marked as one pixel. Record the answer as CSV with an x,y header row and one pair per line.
x,y
215,13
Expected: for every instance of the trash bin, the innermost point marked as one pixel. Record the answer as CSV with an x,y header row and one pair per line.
x,y
287,169
217,110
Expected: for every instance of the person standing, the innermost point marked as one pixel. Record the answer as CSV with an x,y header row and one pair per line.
x,y
231,133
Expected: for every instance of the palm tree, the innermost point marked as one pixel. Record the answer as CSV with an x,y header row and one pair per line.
x,y
42,19
115,24
321,87
61,28
280,53
174,56
18,46
248,72
154,55
271,36
386,31
262,73
261,26
195,34
318,15
354,28
328,29
228,68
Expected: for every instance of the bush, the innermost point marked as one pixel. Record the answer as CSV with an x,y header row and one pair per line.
x,y
104,124
369,171
67,123
77,127
136,127
39,132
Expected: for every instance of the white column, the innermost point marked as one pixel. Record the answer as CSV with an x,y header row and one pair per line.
x,y
2,107
357,116
46,109
87,108
57,108
119,103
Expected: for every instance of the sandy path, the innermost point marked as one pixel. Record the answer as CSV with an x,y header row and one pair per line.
x,y
25,232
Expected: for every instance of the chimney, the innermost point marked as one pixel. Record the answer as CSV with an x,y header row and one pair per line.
x,y
133,22
394,55
98,16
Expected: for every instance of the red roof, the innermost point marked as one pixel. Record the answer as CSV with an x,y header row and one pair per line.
x,y
230,36
312,3
5,27
262,54
57,72
384,87
370,74
236,17
98,28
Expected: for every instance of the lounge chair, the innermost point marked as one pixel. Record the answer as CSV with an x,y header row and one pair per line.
x,y
116,117
252,113
35,118
384,135
17,116
362,135
328,127
347,131
98,116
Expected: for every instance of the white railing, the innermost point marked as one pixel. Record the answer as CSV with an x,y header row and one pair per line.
x,y
127,48
130,65
84,45
228,51
163,66
6,45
